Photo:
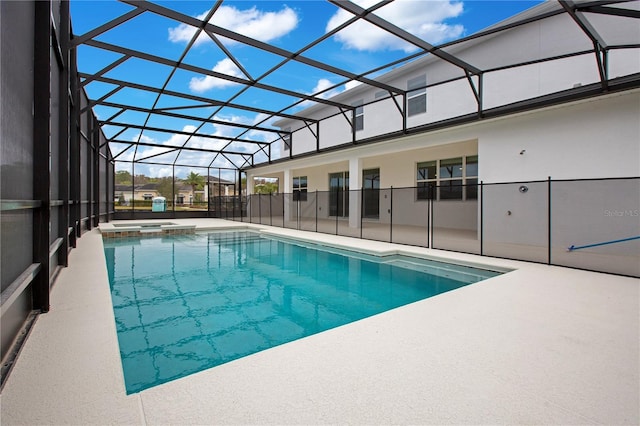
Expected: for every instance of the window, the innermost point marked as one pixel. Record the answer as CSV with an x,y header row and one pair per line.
x,y
147,197
339,194
471,175
286,139
381,94
417,95
448,179
358,115
300,188
426,179
371,195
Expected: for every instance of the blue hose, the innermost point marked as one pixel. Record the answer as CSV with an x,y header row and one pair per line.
x,y
572,248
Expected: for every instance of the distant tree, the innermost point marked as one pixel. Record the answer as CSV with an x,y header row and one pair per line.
x,y
123,177
140,180
195,181
266,188
165,187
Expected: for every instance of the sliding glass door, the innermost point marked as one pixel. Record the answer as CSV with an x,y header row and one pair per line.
x,y
371,196
339,194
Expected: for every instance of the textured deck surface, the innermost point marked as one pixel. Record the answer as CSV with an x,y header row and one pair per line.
x,y
538,345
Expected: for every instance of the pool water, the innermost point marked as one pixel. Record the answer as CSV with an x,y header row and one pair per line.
x,y
186,303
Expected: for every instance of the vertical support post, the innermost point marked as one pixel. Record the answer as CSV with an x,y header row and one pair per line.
x,y
361,208
337,209
549,220
41,151
480,95
316,210
208,194
270,206
173,188
110,184
317,140
219,206
481,218
404,113
237,190
391,215
290,145
90,167
76,149
95,148
113,183
353,126
133,188
260,208
63,125
430,219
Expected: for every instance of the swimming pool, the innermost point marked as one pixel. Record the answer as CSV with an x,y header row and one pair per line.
x,y
190,302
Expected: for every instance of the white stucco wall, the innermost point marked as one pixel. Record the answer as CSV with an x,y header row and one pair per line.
x,y
548,38
597,138
594,138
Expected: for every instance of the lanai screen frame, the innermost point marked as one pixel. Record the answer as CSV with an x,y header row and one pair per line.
x,y
243,160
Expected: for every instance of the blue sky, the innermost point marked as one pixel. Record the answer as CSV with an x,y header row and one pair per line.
x,y
288,25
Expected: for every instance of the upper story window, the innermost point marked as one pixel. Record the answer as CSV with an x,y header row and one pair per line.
x,y
358,115
300,188
286,139
381,94
417,95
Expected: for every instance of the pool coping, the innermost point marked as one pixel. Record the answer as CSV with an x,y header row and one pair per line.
x,y
541,344
111,230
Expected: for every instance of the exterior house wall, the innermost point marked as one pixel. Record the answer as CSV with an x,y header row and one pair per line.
x,y
594,138
590,138
548,38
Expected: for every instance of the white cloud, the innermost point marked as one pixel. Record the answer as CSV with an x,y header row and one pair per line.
x,y
159,171
351,84
225,66
424,19
197,159
324,84
254,23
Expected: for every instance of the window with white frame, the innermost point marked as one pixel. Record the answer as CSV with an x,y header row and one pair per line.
x,y
286,139
448,179
471,178
147,197
300,188
426,180
417,95
358,115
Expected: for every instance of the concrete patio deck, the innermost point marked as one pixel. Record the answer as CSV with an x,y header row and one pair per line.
x,y
541,344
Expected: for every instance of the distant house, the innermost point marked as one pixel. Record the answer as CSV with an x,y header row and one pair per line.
x,y
220,187
125,193
146,192
183,194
